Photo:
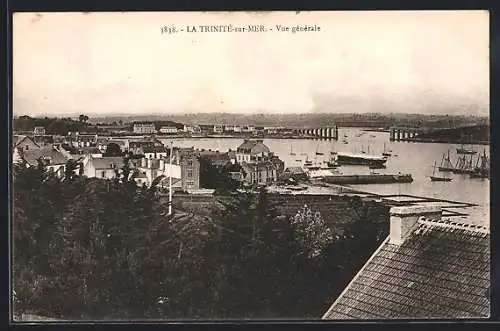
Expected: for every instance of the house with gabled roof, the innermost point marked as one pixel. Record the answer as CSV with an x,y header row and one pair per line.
x,y
428,267
51,158
102,167
24,142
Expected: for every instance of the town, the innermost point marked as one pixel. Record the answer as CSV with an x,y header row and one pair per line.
x,y
337,169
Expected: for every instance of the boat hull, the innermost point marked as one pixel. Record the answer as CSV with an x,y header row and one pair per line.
x,y
465,151
445,169
463,171
350,160
440,179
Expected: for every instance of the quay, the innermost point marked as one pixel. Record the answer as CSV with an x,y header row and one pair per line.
x,y
369,179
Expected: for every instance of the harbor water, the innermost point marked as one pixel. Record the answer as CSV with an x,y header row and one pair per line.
x,y
416,159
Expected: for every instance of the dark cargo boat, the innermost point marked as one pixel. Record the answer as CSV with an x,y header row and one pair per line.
x,y
361,159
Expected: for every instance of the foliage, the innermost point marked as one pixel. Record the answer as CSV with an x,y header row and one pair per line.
x,y
218,177
56,126
113,150
311,231
101,249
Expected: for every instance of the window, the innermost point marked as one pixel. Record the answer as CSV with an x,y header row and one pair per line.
x,y
27,147
190,183
103,174
190,173
190,163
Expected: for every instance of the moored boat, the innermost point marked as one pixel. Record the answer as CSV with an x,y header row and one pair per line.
x,y
481,170
435,178
446,164
360,159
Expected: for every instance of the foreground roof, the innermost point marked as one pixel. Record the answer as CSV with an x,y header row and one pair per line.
x,y
442,270
33,155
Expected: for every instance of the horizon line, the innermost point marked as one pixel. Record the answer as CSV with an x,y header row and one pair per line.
x,y
100,115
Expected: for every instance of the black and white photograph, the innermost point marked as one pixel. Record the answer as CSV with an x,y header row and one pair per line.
x,y
257,166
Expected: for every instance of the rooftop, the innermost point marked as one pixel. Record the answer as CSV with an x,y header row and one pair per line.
x,y
440,270
107,162
33,155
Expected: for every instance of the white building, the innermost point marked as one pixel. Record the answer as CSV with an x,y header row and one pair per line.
x,y
168,129
218,128
144,128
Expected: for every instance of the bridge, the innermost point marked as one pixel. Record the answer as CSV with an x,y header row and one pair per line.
x,y
474,134
405,133
320,133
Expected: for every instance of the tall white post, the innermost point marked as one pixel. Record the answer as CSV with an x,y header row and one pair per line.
x,y
170,181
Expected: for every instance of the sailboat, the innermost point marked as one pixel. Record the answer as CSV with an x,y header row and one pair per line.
x,y
291,151
435,178
446,164
464,150
481,170
386,152
463,165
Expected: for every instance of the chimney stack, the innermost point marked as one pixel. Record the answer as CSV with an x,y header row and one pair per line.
x,y
403,220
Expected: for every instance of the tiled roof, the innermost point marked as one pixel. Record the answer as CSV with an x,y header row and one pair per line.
x,y
107,162
17,139
440,271
33,155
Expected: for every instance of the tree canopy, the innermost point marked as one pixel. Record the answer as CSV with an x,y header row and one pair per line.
x,y
106,249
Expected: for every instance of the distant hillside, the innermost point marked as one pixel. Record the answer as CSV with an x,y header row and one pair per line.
x,y
375,120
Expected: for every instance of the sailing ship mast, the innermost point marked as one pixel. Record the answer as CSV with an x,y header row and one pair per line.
x,y
435,178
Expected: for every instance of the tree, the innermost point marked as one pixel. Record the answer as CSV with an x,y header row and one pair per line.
x,y
312,232
83,118
113,150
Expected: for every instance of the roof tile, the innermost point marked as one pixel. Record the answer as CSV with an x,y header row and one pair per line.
x,y
440,271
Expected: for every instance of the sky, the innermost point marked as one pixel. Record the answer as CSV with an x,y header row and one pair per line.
x,y
429,62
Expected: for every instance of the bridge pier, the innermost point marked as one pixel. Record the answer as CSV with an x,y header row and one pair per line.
x,y
399,134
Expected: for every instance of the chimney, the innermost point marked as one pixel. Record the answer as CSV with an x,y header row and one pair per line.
x,y
143,162
403,220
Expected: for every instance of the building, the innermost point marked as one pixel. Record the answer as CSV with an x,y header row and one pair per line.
x,y
154,152
252,151
259,173
248,129
270,130
24,143
192,129
52,159
259,164
39,131
102,167
426,268
185,169
144,128
82,140
218,129
168,130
